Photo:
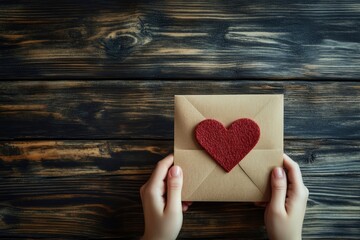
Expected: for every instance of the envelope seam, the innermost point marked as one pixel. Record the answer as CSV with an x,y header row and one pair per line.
x,y
239,164
195,107
251,179
190,103
268,103
201,183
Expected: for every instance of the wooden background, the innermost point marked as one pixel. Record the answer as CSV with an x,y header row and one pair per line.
x,y
86,108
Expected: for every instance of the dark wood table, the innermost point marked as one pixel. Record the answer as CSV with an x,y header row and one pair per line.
x,y
86,108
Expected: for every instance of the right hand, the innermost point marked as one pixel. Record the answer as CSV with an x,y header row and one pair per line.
x,y
284,215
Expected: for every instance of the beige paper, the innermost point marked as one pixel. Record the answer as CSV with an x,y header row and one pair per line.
x,y
204,179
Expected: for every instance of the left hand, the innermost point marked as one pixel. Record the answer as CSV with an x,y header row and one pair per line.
x,y
161,200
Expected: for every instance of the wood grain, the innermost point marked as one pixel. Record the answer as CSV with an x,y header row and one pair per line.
x,y
72,189
144,109
180,39
74,152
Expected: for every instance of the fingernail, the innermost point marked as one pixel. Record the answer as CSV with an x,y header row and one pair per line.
x,y
279,173
175,171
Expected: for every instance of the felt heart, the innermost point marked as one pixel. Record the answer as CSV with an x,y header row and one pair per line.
x,y
228,146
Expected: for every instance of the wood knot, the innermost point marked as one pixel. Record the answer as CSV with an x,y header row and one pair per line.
x,y
121,43
311,156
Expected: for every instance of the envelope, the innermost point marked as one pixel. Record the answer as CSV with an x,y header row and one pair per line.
x,y
204,179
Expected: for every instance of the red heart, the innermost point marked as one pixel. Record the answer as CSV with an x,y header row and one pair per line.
x,y
228,146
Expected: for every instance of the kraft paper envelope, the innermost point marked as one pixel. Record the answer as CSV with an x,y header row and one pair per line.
x,y
204,179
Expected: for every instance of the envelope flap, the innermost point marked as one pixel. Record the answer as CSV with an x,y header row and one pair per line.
x,y
271,122
189,160
265,110
258,165
219,185
228,108
186,119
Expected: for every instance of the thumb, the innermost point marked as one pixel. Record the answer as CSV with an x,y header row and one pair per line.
x,y
278,190
174,186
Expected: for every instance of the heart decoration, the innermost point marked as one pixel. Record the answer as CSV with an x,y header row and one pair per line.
x,y
227,146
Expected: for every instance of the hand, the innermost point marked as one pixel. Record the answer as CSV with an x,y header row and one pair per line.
x,y
284,215
161,200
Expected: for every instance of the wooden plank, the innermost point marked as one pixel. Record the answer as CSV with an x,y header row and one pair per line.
x,y
67,189
180,39
144,109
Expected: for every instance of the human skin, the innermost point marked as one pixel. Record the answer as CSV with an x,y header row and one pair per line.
x,y
284,214
161,199
163,209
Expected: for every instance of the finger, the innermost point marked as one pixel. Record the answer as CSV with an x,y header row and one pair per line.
x,y
186,205
278,190
298,193
174,186
161,170
142,190
293,173
185,208
155,187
